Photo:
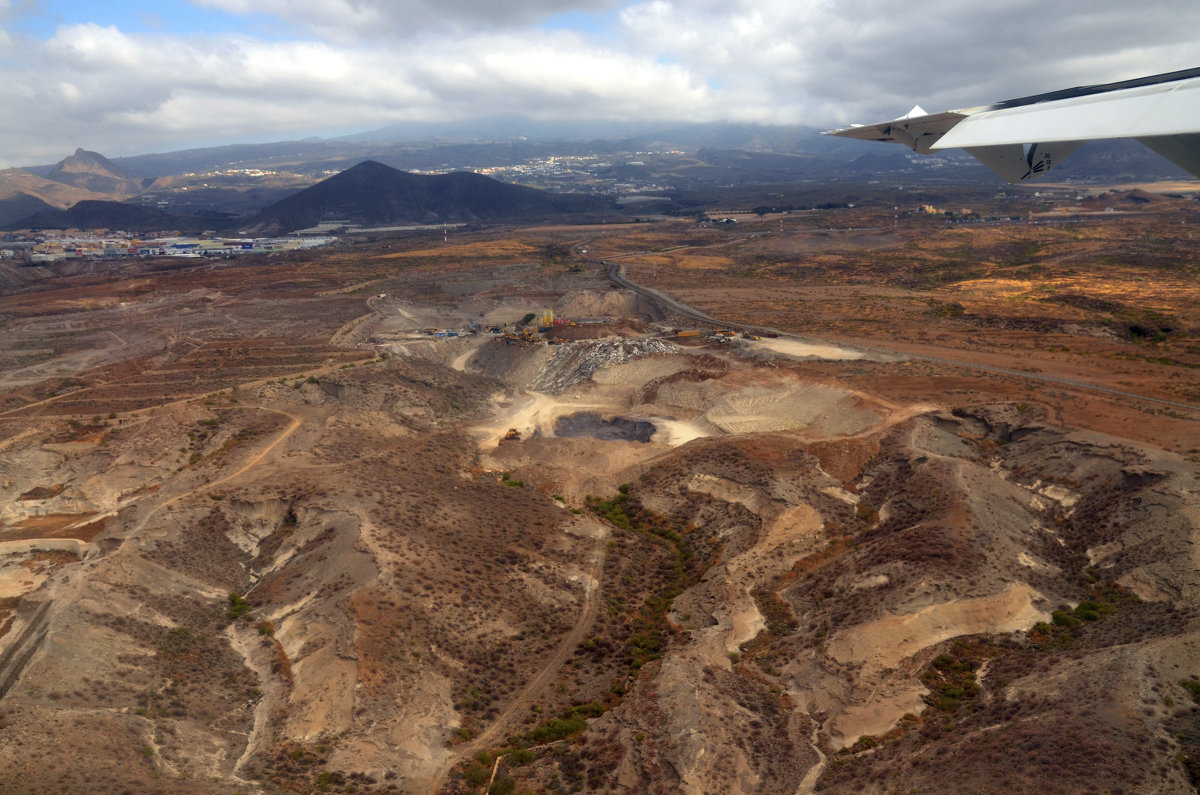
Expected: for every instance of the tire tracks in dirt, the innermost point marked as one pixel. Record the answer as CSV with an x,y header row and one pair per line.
x,y
534,688
252,462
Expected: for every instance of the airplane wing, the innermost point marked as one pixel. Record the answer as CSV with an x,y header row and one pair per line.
x,y
918,130
1024,138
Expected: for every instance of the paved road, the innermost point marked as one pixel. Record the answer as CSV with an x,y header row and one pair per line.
x,y
616,275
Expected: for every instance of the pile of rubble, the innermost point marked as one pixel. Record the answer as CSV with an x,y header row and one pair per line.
x,y
576,361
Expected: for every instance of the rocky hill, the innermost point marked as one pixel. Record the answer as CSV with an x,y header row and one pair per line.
x,y
372,194
95,172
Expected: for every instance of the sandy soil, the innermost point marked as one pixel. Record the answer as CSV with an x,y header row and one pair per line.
x,y
807,350
886,642
533,413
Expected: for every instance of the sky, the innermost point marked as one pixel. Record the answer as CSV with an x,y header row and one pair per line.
x,y
125,77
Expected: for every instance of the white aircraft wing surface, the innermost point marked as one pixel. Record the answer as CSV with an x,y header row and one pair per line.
x,y
1024,138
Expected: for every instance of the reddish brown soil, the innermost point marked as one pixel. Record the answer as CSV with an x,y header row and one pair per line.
x,y
1111,300
54,526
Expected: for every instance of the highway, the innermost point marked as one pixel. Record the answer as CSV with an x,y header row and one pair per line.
x,y
616,275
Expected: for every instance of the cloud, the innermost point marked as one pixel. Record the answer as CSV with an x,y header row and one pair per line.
x,y
366,63
345,20
123,93
869,59
13,10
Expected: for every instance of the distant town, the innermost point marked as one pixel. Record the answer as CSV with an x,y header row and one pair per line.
x,y
53,246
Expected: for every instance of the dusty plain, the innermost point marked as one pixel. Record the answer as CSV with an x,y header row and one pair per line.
x,y
262,532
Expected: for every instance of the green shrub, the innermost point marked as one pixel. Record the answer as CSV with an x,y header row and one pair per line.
x,y
1092,611
863,743
1064,619
557,729
476,774
592,709
1192,686
238,607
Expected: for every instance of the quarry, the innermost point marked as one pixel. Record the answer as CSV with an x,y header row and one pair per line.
x,y
269,526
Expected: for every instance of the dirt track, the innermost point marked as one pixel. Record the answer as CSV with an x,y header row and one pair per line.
x,y
530,694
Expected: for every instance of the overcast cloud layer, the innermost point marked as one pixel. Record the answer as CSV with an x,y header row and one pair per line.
x,y
335,66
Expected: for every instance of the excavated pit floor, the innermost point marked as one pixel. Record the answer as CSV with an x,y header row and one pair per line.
x,y
589,424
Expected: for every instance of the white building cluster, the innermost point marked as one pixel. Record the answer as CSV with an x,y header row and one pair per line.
x,y
55,246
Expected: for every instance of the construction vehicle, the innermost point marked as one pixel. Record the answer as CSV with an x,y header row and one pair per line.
x,y
513,435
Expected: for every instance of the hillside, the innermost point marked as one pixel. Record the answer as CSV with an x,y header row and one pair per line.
x,y
15,181
21,205
374,194
104,215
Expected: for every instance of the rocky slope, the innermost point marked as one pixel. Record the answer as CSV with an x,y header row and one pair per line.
x,y
233,627
987,602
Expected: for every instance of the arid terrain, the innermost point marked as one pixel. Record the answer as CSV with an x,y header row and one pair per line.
x,y
923,518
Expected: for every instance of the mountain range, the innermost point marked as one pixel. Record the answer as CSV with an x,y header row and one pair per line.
x,y
264,187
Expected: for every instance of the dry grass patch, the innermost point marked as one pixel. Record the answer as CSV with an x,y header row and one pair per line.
x,y
702,262
483,248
